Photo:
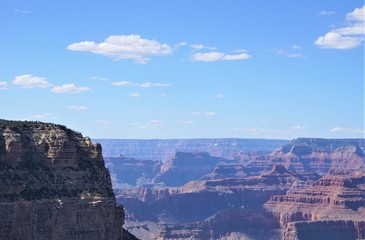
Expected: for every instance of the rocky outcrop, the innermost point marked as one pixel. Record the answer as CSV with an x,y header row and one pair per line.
x,y
165,149
227,171
54,185
209,209
332,202
185,167
316,155
130,172
325,230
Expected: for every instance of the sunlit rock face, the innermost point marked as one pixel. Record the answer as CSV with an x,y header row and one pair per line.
x,y
54,185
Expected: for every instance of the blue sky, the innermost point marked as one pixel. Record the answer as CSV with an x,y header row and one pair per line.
x,y
185,69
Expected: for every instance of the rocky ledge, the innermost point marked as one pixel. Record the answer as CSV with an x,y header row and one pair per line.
x,y
54,185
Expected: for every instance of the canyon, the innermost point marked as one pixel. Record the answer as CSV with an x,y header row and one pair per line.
x,y
305,189
56,184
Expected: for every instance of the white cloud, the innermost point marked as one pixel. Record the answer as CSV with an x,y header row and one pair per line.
x,y
356,15
30,81
294,46
297,127
338,41
347,37
217,56
150,84
210,114
70,89
286,53
323,12
355,29
180,44
219,96
4,85
98,78
22,11
185,122
120,47
153,124
123,83
40,116
158,95
347,130
256,131
75,107
134,95
142,85
104,123
201,46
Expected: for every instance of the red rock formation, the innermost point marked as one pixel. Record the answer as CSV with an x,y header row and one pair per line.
x,y
333,202
54,185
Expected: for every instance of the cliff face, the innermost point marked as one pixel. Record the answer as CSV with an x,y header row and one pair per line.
x,y
54,185
334,202
210,209
316,155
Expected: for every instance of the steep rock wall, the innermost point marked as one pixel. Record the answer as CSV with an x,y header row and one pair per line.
x,y
54,185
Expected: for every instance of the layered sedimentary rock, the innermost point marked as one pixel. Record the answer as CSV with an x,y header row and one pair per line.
x,y
227,171
185,167
209,209
131,172
165,149
54,185
316,155
335,203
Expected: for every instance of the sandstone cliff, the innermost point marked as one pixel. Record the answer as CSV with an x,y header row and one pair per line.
x,y
209,209
331,208
316,155
54,185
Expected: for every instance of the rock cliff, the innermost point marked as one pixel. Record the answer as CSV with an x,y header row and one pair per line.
x,y
334,202
54,185
209,209
316,155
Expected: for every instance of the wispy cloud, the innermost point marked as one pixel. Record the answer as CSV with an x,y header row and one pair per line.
x,y
323,12
185,122
290,52
39,116
4,85
180,44
298,127
210,114
69,89
119,47
347,37
142,85
150,84
30,81
76,107
123,83
153,124
347,130
22,11
218,56
98,78
135,95
201,46
219,96
256,131
104,123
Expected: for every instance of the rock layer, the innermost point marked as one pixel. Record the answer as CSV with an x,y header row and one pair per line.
x,y
54,185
